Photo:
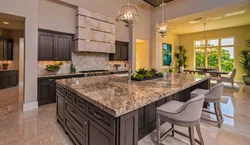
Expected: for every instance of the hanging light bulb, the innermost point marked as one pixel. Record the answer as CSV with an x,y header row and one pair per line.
x,y
163,28
128,14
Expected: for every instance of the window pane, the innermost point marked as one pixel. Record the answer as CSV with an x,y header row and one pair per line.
x,y
212,58
197,43
211,43
199,58
227,41
227,59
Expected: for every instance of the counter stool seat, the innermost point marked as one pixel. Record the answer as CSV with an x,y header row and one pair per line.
x,y
182,114
212,96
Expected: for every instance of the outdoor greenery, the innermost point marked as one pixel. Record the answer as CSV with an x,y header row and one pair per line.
x,y
245,58
181,57
227,63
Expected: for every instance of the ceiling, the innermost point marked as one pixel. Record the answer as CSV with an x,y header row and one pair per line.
x,y
14,22
156,3
225,17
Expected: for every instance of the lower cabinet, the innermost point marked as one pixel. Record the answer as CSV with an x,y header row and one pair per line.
x,y
46,91
97,135
8,78
60,107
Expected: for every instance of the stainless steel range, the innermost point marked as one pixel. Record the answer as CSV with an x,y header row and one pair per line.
x,y
89,73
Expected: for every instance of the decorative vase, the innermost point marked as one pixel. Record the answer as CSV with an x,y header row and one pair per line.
x,y
181,69
5,66
246,79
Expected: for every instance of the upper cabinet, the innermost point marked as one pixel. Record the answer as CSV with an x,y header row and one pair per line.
x,y
6,49
54,46
121,52
95,32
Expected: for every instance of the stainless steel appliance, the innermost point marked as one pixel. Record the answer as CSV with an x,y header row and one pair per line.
x,y
89,73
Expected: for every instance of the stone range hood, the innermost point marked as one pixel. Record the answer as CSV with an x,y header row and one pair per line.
x,y
95,32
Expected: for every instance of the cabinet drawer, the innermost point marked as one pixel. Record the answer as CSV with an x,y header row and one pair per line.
x,y
104,119
70,96
80,104
76,116
60,89
74,132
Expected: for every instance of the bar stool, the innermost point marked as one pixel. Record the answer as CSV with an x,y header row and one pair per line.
x,y
182,114
212,96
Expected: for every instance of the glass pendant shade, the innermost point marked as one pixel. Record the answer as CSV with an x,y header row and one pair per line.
x,y
128,14
163,27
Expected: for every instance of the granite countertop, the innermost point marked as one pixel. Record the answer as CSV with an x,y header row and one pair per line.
x,y
117,97
58,75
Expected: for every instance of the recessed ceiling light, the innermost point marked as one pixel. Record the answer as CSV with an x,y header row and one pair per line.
x,y
6,23
193,22
216,18
239,12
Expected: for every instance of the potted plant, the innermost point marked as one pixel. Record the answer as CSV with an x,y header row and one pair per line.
x,y
245,62
181,58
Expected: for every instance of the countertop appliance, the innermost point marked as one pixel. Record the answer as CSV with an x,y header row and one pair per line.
x,y
88,73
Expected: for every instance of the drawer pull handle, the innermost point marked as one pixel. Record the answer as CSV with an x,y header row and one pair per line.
x,y
99,116
51,79
73,113
73,130
78,103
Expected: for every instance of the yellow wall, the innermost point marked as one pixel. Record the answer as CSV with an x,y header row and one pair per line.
x,y
239,34
170,39
142,55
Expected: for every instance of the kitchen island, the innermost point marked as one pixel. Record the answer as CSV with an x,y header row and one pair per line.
x,y
109,110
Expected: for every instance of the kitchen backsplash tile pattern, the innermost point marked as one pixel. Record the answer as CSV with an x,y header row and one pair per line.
x,y
90,61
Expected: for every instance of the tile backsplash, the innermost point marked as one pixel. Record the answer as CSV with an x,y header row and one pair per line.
x,y
90,61
122,67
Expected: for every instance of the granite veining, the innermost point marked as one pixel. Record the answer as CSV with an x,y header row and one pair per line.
x,y
117,96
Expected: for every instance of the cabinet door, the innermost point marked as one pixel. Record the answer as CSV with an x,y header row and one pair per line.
x,y
4,80
117,55
13,78
46,45
9,49
47,91
63,47
60,108
124,52
1,49
97,135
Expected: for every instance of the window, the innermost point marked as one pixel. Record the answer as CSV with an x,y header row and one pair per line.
x,y
215,53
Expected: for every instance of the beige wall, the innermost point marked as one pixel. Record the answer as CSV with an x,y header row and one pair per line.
x,y
170,39
57,17
239,34
142,55
29,10
181,8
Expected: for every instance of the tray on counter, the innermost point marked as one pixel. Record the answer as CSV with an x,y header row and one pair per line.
x,y
145,79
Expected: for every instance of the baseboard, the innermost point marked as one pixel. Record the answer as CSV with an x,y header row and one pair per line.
x,y
30,106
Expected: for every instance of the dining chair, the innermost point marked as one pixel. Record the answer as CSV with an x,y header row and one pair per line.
x,y
229,79
182,114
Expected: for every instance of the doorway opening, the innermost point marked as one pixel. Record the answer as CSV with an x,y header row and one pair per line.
x,y
11,63
142,54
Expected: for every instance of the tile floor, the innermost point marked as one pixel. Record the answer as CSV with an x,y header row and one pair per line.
x,y
39,127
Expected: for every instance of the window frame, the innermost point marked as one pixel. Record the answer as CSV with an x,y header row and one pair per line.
x,y
219,47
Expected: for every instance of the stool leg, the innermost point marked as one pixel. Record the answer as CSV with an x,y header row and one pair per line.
x,y
172,130
221,115
158,121
217,114
198,129
191,135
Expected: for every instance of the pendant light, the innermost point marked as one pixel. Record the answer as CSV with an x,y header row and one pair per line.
x,y
205,42
128,14
163,27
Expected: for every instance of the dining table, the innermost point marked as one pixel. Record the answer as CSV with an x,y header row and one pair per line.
x,y
212,72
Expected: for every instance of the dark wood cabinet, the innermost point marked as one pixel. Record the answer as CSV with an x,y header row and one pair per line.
x,y
121,51
95,131
6,49
8,78
46,91
54,46
60,107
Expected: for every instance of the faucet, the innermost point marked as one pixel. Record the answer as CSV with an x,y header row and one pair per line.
x,y
129,70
